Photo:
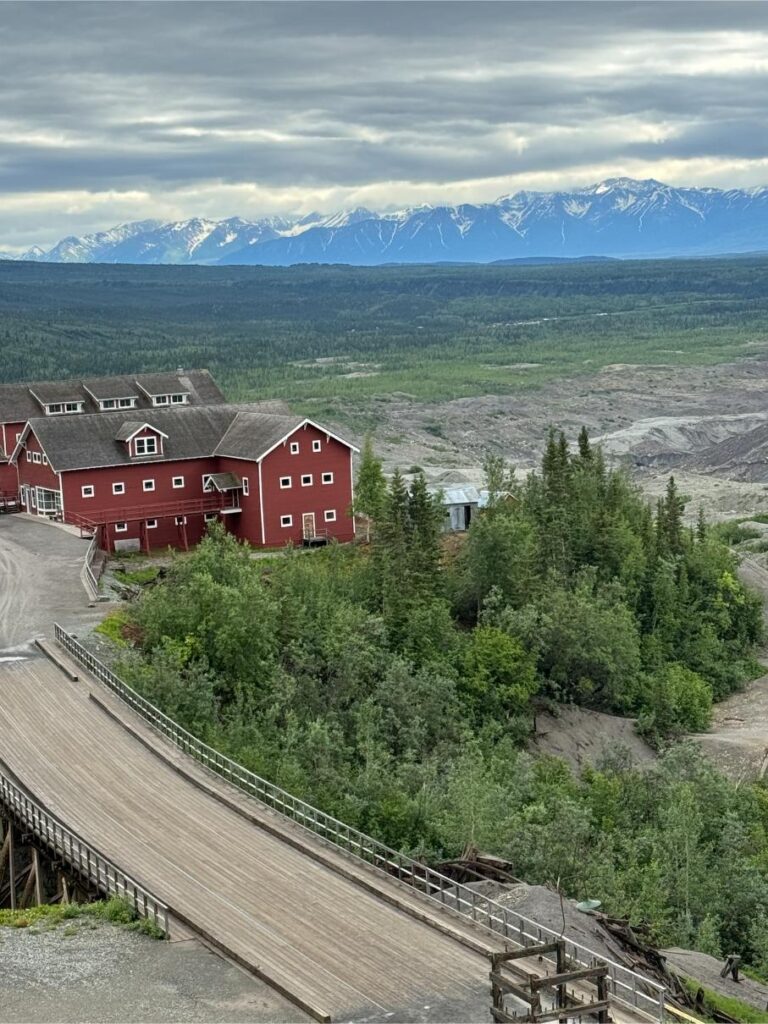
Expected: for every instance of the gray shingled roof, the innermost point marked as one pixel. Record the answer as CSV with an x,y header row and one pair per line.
x,y
90,442
17,404
253,433
226,481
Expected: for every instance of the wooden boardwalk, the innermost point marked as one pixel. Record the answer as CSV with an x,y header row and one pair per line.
x,y
330,944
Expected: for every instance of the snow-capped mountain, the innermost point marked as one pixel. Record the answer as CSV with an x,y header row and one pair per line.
x,y
619,217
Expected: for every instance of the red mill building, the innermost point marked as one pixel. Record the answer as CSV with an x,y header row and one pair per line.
x,y
152,458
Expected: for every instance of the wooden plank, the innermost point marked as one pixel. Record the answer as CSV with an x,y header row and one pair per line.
x,y
521,954
583,974
523,994
572,1010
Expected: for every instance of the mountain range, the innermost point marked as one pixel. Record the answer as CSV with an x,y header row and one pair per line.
x,y
620,217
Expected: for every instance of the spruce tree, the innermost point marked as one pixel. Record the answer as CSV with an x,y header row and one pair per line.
x,y
371,487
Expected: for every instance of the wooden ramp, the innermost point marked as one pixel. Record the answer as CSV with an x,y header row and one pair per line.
x,y
335,948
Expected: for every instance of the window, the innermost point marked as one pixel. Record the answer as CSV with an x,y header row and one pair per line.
x,y
18,438
29,456
317,446
330,515
210,517
87,490
108,403
73,406
327,478
148,485
286,521
127,403
181,520
56,407
178,399
145,446
118,488
306,480
285,482
121,527
178,481
37,457
45,460
246,486
151,524
294,447
160,400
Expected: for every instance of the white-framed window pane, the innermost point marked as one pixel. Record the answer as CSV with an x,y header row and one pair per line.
x,y
246,486
330,515
286,521
151,524
317,446
121,527
87,490
148,485
178,481
285,482
306,480
118,488
327,478
294,447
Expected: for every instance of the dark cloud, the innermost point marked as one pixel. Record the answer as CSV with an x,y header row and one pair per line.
x,y
123,110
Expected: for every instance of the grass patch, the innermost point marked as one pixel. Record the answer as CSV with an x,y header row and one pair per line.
x,y
113,627
714,1001
117,911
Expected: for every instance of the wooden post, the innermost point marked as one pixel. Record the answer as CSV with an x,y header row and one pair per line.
x,y
38,877
64,888
144,536
561,991
602,997
183,528
11,866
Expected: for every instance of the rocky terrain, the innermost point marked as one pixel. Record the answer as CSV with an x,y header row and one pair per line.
x,y
707,425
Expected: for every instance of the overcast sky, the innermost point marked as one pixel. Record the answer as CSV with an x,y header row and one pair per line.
x,y
118,111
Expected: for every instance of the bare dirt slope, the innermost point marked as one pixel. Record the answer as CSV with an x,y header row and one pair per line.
x,y
580,737
705,970
656,419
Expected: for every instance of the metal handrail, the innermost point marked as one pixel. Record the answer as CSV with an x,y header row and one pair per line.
x,y
137,513
81,857
87,574
626,985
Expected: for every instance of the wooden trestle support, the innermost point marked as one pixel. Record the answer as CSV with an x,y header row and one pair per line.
x,y
510,979
28,877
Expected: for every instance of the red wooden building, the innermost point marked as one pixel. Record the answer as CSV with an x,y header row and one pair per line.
x,y
153,473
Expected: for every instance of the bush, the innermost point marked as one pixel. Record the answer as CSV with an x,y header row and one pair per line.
x,y
675,701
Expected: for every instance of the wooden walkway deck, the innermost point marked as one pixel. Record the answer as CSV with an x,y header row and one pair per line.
x,y
330,944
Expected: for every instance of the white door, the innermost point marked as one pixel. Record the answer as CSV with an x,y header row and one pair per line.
x,y
308,525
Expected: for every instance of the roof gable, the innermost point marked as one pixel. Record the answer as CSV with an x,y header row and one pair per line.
x,y
131,428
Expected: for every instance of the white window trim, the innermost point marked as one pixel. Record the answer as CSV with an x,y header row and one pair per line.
x,y
246,486
317,446
150,488
181,520
330,515
176,484
329,476
116,485
294,447
286,486
151,524
286,522
29,456
145,441
37,458
121,527
89,488
45,459
307,480
210,517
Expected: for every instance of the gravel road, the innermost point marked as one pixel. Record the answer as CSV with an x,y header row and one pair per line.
x,y
39,582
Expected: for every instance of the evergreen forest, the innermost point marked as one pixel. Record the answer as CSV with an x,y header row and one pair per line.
x,y
336,341
395,682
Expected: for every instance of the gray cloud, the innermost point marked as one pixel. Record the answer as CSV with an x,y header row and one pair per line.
x,y
118,111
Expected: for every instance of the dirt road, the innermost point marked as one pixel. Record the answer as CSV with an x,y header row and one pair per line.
x,y
738,738
39,582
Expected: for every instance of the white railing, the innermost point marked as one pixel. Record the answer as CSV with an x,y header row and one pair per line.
x,y
87,575
83,859
625,985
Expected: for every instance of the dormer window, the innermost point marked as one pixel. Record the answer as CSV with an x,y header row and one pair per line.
x,y
179,399
160,400
145,446
60,408
126,403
